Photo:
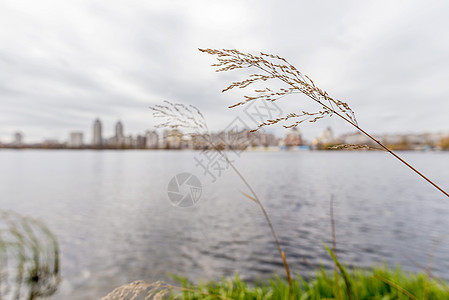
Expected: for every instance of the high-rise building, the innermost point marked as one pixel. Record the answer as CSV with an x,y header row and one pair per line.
x,y
139,142
129,141
97,139
268,139
119,137
327,136
18,139
152,139
293,138
76,140
174,139
165,139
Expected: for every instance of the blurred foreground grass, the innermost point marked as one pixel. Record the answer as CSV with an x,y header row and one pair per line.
x,y
378,283
29,258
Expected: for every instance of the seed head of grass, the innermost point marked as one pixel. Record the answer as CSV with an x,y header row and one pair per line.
x,y
186,117
274,67
178,115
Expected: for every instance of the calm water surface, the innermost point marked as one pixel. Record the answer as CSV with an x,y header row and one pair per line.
x,y
115,224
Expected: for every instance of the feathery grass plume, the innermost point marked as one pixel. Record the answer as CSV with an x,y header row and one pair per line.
x,y
180,116
29,257
273,67
140,290
159,290
177,115
276,67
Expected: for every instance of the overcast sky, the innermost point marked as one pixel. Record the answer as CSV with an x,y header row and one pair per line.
x,y
65,63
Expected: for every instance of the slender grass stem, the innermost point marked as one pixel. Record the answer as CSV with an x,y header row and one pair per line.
x,y
394,154
332,109
256,199
279,68
179,115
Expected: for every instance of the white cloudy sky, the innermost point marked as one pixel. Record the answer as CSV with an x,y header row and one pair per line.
x,y
64,63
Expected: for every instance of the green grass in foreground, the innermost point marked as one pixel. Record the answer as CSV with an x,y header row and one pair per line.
x,y
379,283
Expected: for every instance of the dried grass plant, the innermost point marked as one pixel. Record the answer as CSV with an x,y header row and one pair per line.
x,y
190,118
140,290
271,67
156,291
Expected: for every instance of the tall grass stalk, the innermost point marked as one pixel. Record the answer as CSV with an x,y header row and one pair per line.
x,y
178,115
274,67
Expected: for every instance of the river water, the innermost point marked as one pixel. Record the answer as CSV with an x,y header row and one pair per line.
x,y
115,223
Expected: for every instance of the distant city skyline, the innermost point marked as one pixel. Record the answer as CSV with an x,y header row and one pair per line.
x,y
112,127
174,138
